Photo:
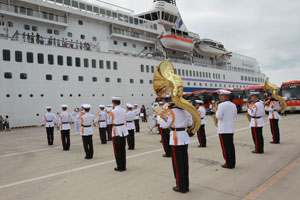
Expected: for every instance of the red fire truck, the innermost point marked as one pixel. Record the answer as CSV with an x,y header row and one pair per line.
x,y
290,91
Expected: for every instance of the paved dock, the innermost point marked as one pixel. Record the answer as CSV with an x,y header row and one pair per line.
x,y
31,170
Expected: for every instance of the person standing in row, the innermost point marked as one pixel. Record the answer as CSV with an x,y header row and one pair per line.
x,y
225,113
273,107
201,132
165,131
109,122
256,112
137,112
64,120
50,120
101,120
76,116
130,115
144,114
87,131
119,134
178,120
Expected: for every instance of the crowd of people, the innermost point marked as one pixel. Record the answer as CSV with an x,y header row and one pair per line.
x,y
4,123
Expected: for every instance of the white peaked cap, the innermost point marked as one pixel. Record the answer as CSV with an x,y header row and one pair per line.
x,y
116,98
86,106
199,101
224,92
128,105
109,105
155,104
64,106
48,107
136,104
101,106
254,93
160,103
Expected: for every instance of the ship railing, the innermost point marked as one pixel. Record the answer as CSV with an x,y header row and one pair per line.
x,y
20,10
133,34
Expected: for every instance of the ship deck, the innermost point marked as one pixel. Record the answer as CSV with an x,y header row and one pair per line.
x,y
29,169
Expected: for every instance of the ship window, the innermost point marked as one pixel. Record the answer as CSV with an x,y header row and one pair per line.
x,y
200,74
8,75
18,56
114,15
29,57
216,85
6,55
119,80
74,4
141,81
82,37
224,76
69,61
147,68
150,81
80,78
10,24
131,20
60,60
166,16
242,78
136,21
26,27
94,79
56,32
19,95
175,71
45,15
171,18
125,44
183,73
211,85
108,65
115,64
96,10
142,68
131,80
49,31
187,72
102,11
77,62
89,8
152,69
188,83
154,16
94,63
101,64
115,42
67,2
200,84
34,28
50,59
80,22
209,75
255,79
194,73
94,39
179,72
65,77
134,45
48,77
107,80
86,62
40,57
252,78
70,34
194,84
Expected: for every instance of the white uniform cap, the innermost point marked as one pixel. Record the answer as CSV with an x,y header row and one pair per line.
x,y
109,105
199,101
254,93
128,105
48,107
155,104
224,92
101,106
64,106
86,106
116,98
160,103
136,104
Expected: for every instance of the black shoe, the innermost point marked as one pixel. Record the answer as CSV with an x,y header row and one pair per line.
x,y
272,142
201,146
257,152
118,170
227,167
166,156
176,189
130,149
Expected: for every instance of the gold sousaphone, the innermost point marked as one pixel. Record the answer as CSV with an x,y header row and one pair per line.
x,y
272,87
165,82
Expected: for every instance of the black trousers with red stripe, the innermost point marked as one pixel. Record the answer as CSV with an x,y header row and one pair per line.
x,y
65,139
258,139
202,136
228,149
275,130
119,144
109,130
50,135
165,138
180,161
130,139
88,146
137,125
102,134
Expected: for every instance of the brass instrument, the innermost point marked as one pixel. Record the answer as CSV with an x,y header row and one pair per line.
x,y
165,82
247,115
161,111
214,115
274,89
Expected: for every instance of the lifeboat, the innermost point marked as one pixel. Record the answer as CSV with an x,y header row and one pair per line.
x,y
210,47
177,43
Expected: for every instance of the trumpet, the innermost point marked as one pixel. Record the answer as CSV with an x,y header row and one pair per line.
x,y
214,115
247,115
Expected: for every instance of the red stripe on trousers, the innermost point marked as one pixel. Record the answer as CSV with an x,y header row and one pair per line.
x,y
162,139
223,148
199,138
176,168
256,146
272,129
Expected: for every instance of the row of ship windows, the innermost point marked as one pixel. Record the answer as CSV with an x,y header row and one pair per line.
x,y
218,85
60,60
253,79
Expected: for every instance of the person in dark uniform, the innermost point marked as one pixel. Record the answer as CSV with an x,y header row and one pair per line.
x,y
64,120
201,132
179,119
50,120
273,107
256,112
87,131
225,113
144,114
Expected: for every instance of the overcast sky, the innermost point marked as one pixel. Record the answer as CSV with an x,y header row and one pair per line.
x,y
268,30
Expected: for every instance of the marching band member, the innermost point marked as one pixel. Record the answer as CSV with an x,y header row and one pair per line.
x,y
65,119
257,111
273,107
77,125
165,131
87,131
130,115
201,133
50,119
178,119
101,120
225,113
119,134
109,122
137,112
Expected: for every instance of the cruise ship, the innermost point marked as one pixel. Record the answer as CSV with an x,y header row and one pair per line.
x,y
72,52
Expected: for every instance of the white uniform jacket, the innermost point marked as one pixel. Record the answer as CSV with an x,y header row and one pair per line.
x,y
130,115
101,119
50,119
64,120
177,118
137,113
109,119
76,116
202,113
86,124
118,115
273,109
257,111
225,114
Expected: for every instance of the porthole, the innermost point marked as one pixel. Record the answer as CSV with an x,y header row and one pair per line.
x,y
93,95
31,95
71,95
79,95
61,95
132,94
151,95
37,114
8,95
20,95
42,95
103,95
142,95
